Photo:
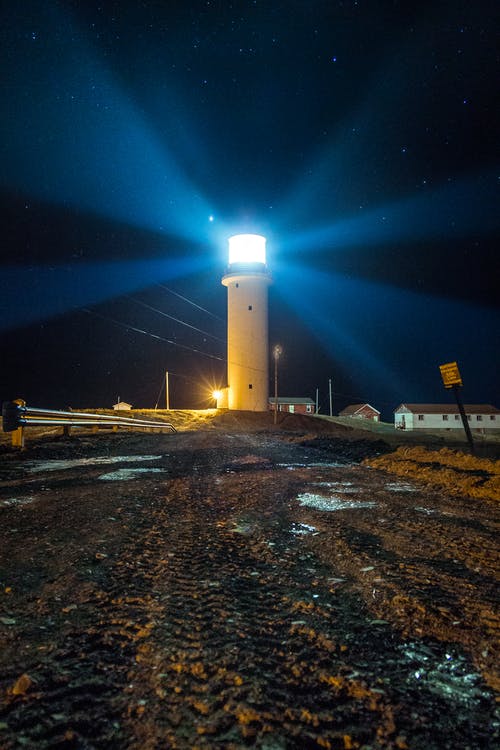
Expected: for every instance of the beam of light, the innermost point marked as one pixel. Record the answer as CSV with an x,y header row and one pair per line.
x,y
328,314
362,158
341,171
389,340
69,136
35,293
450,211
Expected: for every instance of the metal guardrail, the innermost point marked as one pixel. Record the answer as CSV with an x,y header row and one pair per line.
x,y
16,415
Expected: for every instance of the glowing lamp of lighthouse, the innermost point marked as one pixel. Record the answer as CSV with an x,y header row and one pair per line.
x,y
247,280
247,248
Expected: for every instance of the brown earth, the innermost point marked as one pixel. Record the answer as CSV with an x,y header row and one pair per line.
x,y
240,584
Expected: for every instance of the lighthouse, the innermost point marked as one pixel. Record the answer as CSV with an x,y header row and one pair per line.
x,y
247,280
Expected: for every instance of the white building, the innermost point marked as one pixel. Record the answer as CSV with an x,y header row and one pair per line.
x,y
247,281
122,406
481,417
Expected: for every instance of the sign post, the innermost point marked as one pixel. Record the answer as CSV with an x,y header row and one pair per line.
x,y
452,379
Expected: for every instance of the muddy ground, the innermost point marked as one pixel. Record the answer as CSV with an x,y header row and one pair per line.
x,y
239,585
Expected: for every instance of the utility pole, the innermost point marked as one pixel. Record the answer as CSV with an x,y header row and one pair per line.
x,y
276,354
167,393
317,399
330,392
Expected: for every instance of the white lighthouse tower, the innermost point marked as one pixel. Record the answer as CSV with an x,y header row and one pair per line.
x,y
247,280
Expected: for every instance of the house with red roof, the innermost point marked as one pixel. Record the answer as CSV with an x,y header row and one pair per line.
x,y
361,411
293,405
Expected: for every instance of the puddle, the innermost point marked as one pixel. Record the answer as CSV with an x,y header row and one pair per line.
x,y
243,528
16,501
125,474
244,525
400,487
322,502
60,464
249,462
303,528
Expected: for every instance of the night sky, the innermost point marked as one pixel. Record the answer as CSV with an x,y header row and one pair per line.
x,y
360,137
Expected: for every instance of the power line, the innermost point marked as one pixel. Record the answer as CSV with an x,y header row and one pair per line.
x,y
128,327
151,335
190,302
177,320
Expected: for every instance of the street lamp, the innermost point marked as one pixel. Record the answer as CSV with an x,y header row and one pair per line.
x,y
276,354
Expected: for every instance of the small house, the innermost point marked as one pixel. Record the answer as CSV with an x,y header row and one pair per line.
x,y
481,417
361,411
293,405
122,406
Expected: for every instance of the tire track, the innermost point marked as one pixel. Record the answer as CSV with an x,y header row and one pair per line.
x,y
207,622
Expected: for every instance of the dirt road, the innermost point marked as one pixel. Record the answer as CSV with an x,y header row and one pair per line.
x,y
218,589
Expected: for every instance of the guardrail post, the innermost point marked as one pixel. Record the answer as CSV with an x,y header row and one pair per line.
x,y
18,438
18,435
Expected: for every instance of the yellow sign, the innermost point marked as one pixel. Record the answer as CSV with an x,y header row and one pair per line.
x,y
450,374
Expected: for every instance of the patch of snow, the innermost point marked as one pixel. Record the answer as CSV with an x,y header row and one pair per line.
x,y
303,528
322,502
449,677
330,465
400,487
429,511
346,488
17,501
60,464
125,474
